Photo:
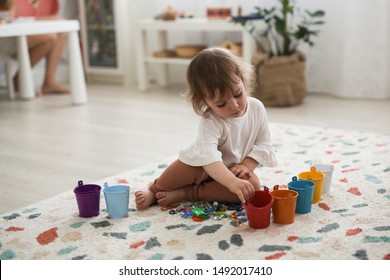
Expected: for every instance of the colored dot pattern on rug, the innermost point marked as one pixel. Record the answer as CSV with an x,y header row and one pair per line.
x,y
350,222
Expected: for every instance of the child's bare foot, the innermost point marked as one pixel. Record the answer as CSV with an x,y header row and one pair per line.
x,y
165,198
143,199
55,88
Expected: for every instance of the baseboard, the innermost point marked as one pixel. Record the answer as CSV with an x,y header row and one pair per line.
x,y
104,79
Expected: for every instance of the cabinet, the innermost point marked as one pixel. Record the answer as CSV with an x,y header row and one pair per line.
x,y
102,22
144,27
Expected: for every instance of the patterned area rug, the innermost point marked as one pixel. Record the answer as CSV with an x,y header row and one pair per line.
x,y
352,221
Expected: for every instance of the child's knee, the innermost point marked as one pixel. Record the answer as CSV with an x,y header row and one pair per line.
x,y
158,185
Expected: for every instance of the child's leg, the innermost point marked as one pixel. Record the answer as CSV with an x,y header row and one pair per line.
x,y
211,191
214,191
176,176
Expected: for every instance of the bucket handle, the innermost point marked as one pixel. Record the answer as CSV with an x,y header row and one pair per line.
x,y
80,183
266,189
313,169
295,179
276,187
105,185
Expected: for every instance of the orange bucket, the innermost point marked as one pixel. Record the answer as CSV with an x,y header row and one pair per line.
x,y
285,202
258,210
317,178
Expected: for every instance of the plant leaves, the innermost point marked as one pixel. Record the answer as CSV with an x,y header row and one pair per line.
x,y
318,13
283,33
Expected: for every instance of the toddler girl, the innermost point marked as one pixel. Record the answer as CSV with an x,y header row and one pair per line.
x,y
233,137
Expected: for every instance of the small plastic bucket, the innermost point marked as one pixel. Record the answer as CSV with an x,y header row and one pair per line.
x,y
327,169
88,199
117,200
317,178
305,190
258,210
285,201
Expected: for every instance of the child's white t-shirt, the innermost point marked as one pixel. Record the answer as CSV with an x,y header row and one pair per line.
x,y
232,140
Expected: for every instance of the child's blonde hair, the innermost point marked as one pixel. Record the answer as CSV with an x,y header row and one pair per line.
x,y
214,73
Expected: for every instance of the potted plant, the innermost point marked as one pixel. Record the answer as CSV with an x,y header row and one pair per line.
x,y
280,66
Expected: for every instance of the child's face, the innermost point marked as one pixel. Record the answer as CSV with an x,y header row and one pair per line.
x,y
230,106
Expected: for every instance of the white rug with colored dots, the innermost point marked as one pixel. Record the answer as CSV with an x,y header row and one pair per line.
x,y
351,222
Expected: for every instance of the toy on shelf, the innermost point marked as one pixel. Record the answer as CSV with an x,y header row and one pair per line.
x,y
189,51
169,14
164,53
219,13
235,48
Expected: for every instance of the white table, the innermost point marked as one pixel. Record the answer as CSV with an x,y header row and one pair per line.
x,y
21,29
163,27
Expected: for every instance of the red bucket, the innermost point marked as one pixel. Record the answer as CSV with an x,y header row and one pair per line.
x,y
258,210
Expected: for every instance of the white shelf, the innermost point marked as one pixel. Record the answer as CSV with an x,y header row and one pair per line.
x,y
168,60
162,27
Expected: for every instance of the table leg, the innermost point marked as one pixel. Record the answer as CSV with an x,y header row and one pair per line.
x,y
76,71
140,44
26,82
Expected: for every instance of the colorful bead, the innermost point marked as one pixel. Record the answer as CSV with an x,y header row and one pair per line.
x,y
200,211
204,216
239,224
233,216
186,215
197,218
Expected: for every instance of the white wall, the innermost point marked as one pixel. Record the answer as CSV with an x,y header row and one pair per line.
x,y
351,56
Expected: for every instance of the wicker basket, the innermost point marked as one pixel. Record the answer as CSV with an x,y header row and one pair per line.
x,y
189,51
280,79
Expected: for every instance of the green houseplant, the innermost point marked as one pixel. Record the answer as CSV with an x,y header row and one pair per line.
x,y
280,66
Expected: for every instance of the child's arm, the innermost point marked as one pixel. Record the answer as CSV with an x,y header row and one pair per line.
x,y
244,169
220,173
250,163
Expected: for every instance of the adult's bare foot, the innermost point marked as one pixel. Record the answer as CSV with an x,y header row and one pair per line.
x,y
55,88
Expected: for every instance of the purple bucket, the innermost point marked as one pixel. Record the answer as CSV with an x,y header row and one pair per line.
x,y
88,199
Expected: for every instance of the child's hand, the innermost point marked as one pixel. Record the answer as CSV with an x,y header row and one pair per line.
x,y
241,171
243,189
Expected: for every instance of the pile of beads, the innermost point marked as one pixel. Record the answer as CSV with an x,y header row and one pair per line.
x,y
200,211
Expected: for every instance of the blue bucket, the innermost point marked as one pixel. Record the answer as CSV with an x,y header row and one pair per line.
x,y
305,191
117,200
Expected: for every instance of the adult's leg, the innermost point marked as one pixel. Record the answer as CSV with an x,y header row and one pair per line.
x,y
39,46
50,84
53,59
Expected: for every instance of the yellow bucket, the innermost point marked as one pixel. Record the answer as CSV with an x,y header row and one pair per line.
x,y
317,178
